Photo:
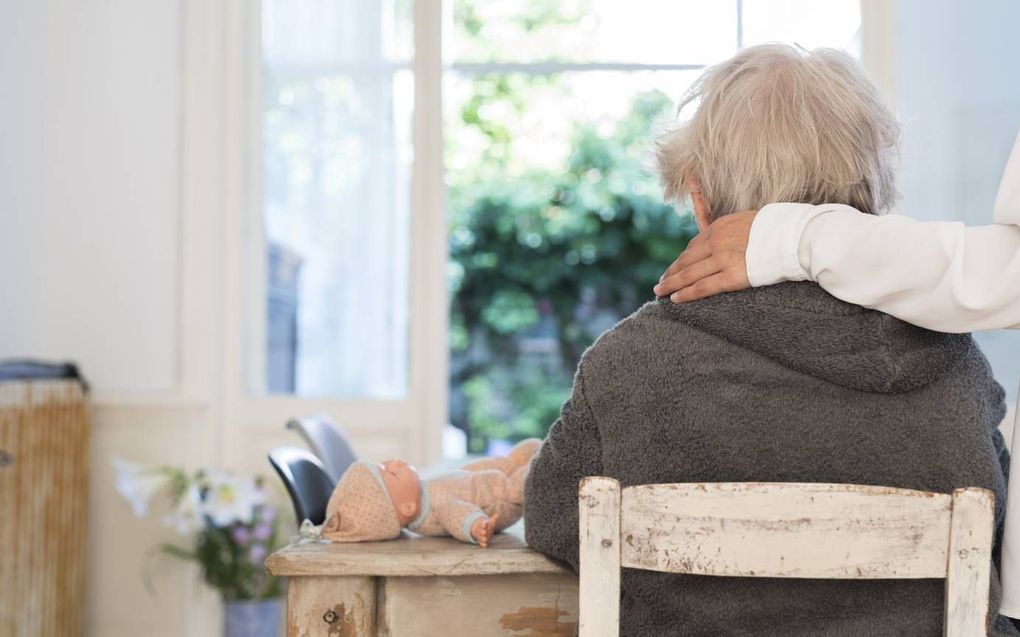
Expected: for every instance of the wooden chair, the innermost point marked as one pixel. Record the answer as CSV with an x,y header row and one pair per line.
x,y
837,531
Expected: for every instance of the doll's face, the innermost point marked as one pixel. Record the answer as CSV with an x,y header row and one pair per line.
x,y
404,487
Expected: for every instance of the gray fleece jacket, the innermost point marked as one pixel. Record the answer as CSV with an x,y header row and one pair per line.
x,y
784,384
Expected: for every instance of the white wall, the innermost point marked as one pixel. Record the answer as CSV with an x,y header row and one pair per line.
x,y
90,94
90,202
122,188
958,94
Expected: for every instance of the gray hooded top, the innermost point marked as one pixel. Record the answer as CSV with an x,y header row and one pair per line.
x,y
783,384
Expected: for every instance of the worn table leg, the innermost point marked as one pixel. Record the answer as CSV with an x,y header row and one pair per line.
x,y
331,607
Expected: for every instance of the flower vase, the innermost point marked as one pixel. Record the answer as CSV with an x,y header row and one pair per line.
x,y
252,618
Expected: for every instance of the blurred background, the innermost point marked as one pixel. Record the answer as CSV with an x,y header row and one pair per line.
x,y
412,216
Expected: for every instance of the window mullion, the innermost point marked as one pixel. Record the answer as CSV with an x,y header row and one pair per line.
x,y
429,302
551,68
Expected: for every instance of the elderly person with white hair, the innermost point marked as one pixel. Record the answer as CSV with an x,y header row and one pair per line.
x,y
783,384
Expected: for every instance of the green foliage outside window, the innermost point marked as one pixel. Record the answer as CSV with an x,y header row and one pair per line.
x,y
543,261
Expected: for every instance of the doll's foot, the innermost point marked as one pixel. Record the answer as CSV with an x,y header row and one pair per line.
x,y
483,529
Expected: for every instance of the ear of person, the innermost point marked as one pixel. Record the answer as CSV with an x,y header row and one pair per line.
x,y
702,214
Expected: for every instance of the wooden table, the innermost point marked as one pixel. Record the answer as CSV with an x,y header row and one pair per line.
x,y
426,587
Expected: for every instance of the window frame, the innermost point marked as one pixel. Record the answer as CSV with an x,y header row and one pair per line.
x,y
411,426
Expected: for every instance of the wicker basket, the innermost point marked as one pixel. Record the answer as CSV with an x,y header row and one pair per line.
x,y
44,483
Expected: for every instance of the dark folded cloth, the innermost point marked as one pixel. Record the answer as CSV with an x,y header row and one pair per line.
x,y
25,369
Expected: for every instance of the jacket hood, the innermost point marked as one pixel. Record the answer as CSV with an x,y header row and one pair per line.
x,y
802,327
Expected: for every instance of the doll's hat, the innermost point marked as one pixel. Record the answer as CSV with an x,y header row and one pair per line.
x,y
360,509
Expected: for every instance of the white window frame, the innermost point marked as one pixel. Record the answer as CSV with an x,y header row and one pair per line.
x,y
411,427
228,35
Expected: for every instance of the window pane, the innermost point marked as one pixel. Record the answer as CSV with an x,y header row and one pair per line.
x,y
337,99
636,31
557,225
558,230
516,123
807,23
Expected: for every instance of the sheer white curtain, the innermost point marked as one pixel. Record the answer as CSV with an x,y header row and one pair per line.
x,y
337,102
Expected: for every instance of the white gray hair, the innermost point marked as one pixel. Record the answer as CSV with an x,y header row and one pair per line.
x,y
773,124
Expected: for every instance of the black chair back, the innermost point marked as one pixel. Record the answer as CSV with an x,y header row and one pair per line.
x,y
306,480
327,441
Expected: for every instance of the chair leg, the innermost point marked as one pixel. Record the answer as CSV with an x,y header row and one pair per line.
x,y
599,557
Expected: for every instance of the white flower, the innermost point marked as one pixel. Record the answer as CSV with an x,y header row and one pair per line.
x,y
232,499
138,483
187,516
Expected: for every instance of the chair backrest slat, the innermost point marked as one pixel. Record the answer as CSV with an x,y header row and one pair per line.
x,y
797,530
786,530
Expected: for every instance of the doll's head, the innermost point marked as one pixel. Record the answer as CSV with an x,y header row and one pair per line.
x,y
404,487
372,502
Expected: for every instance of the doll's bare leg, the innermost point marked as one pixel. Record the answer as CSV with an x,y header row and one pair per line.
x,y
522,453
519,455
508,514
498,463
515,484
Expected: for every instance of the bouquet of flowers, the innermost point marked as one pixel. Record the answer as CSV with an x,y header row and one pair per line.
x,y
232,526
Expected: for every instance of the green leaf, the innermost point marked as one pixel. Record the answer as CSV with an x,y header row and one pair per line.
x,y
544,260
175,551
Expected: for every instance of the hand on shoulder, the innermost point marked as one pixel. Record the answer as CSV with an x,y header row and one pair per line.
x,y
714,261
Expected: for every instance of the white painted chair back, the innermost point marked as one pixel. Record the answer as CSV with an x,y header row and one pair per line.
x,y
747,529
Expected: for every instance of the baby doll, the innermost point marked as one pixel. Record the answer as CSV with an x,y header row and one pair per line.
x,y
375,501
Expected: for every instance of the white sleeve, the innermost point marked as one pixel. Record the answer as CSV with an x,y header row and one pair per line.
x,y
940,275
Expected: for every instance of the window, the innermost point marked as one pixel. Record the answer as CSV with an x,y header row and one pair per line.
x,y
557,227
553,224
338,93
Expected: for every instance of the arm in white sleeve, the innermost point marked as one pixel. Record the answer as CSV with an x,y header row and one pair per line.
x,y
940,275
